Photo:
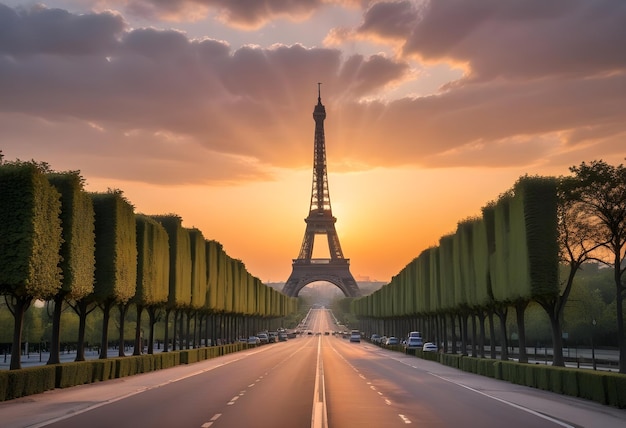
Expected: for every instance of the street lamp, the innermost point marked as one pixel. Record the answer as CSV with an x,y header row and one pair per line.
x,y
593,349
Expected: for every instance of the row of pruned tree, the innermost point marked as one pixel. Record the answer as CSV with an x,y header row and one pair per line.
x,y
511,256
60,243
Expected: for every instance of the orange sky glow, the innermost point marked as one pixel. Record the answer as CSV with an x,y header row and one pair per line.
x,y
203,108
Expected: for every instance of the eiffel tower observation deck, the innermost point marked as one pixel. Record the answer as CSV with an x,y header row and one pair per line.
x,y
320,221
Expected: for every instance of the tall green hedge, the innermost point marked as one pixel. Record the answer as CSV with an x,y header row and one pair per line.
x,y
212,253
78,232
198,269
153,263
30,232
180,261
116,247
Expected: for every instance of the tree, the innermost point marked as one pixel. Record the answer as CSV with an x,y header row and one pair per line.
x,y
30,240
153,269
116,258
576,246
601,191
77,249
179,294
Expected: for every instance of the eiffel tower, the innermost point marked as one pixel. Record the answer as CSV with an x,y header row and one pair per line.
x,y
320,221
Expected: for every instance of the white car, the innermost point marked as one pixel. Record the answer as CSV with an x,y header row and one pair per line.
x,y
429,347
414,342
392,341
355,337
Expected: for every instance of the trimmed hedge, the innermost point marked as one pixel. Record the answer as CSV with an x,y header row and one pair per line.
x,y
29,381
34,380
602,387
72,374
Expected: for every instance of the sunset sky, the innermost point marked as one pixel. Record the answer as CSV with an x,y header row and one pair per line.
x,y
203,108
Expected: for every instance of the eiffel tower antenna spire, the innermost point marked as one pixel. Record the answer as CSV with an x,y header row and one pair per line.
x,y
320,221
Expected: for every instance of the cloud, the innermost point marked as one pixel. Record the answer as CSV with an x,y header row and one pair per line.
x,y
40,30
252,103
181,110
243,14
509,39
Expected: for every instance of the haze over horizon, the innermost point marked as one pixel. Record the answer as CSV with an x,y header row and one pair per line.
x,y
203,108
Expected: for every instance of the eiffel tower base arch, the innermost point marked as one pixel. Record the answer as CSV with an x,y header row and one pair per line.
x,y
337,272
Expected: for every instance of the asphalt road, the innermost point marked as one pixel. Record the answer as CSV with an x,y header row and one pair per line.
x,y
311,381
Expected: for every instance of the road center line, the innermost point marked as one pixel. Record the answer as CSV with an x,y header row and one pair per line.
x,y
319,416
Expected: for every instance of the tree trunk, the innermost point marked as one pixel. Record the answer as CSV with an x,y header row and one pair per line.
x,y
474,341
188,330
619,304
152,316
463,326
104,342
166,337
492,337
123,307
504,344
55,339
444,328
481,340
174,331
520,308
81,309
557,340
453,334
138,336
17,307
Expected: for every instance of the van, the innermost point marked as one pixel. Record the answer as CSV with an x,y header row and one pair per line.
x,y
415,334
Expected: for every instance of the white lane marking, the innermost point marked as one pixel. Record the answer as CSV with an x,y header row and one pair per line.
x,y
319,416
387,401
525,409
213,419
405,419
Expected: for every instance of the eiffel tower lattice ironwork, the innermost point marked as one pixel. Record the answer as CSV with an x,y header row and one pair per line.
x,y
320,221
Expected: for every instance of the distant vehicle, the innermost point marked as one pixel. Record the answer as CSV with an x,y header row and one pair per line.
x,y
253,340
326,333
415,334
355,336
282,336
429,347
414,343
263,337
375,338
392,341
273,337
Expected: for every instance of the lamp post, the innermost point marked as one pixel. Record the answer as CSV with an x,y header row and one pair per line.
x,y
593,349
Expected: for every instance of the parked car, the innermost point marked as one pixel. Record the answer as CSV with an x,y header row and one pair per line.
x,y
253,340
263,337
414,342
392,341
429,347
282,336
375,338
